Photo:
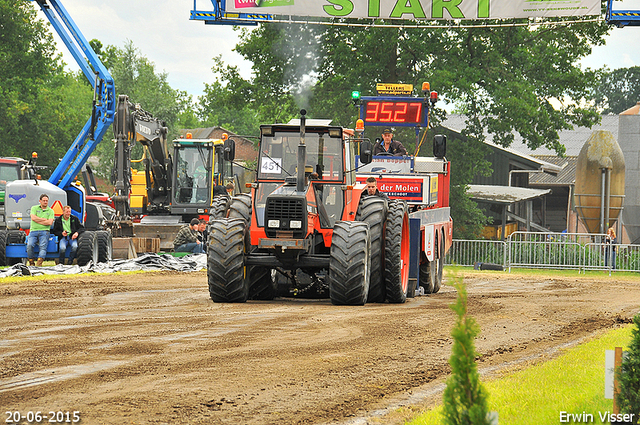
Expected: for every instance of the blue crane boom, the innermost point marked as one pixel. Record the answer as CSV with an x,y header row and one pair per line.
x,y
104,98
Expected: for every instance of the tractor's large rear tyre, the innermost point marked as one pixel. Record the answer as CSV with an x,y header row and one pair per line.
x,y
105,246
396,253
349,264
219,207
262,285
87,248
240,207
373,210
225,261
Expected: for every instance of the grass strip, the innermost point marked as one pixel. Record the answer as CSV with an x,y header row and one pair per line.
x,y
572,383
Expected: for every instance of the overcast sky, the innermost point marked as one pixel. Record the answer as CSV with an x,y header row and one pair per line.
x,y
184,49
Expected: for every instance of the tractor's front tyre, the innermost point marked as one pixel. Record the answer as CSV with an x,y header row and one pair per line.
x,y
262,283
349,264
396,252
373,210
225,261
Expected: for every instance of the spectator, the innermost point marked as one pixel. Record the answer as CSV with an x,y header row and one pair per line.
x,y
388,146
230,187
219,190
187,238
67,228
203,234
39,230
610,248
372,189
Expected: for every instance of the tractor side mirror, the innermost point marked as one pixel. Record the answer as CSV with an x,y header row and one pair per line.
x,y
229,150
366,152
440,146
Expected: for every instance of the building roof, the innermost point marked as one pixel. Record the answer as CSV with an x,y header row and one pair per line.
x,y
565,177
503,194
573,140
535,162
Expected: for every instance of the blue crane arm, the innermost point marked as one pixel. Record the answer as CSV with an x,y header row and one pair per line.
x,y
104,101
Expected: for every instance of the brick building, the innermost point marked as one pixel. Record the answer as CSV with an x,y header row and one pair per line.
x,y
245,150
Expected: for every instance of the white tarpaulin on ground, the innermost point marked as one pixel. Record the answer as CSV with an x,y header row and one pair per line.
x,y
418,9
148,262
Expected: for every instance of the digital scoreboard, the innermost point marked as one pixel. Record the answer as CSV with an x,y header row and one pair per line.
x,y
393,111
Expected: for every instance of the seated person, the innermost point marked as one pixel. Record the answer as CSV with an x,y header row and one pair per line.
x,y
187,239
372,189
67,228
388,146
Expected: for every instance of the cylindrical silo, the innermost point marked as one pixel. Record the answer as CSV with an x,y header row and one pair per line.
x,y
600,177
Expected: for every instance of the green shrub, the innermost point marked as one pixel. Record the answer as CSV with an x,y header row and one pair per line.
x,y
465,399
628,376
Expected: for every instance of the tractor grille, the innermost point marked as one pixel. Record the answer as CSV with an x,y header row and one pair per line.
x,y
284,210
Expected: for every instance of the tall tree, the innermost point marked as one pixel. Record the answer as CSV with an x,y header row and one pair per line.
x,y
617,90
136,76
509,79
40,104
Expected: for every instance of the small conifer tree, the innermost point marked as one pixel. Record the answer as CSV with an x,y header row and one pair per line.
x,y
628,375
465,399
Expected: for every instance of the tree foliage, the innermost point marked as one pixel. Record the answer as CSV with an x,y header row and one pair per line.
x,y
523,79
465,398
628,398
41,106
136,76
617,90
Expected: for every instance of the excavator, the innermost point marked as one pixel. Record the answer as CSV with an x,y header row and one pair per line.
x,y
170,190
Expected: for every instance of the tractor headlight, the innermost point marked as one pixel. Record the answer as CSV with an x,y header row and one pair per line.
x,y
274,223
295,224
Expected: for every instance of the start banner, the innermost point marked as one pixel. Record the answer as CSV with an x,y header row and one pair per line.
x,y
418,9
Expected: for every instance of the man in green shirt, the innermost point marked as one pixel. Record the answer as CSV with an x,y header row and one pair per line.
x,y
41,220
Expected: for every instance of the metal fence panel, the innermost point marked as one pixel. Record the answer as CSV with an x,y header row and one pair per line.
x,y
579,251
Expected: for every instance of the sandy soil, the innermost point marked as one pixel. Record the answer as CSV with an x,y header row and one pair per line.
x,y
153,348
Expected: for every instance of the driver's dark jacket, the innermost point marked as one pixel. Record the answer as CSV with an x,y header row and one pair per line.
x,y
365,194
395,148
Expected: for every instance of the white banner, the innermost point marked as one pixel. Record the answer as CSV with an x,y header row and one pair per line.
x,y
418,9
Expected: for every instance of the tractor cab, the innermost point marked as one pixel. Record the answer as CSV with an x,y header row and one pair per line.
x,y
317,188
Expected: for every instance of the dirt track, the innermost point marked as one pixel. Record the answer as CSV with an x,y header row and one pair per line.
x,y
153,348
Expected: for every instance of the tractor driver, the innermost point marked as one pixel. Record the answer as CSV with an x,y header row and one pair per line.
x,y
388,146
372,189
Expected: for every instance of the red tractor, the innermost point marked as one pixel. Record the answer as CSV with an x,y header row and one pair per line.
x,y
307,228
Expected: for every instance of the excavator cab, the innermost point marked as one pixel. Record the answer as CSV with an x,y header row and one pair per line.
x,y
193,176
